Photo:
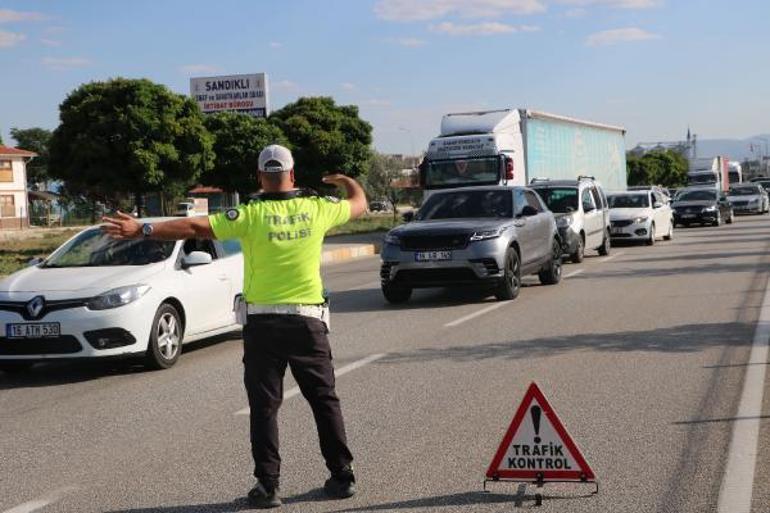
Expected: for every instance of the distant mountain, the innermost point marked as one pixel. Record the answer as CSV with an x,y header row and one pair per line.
x,y
734,149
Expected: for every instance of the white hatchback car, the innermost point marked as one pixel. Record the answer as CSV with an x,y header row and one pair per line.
x,y
640,215
99,297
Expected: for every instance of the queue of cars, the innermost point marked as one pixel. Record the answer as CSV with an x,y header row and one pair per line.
x,y
99,297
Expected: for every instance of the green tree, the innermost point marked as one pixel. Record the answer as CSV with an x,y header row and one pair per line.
x,y
128,136
37,140
325,137
666,168
238,140
378,182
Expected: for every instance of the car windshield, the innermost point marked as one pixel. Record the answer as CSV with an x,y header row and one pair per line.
x,y
92,248
465,204
743,191
697,196
560,200
450,173
629,200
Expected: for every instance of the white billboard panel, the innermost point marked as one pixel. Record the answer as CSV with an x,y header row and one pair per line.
x,y
235,93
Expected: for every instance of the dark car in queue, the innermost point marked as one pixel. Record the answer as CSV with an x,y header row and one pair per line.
x,y
702,205
479,236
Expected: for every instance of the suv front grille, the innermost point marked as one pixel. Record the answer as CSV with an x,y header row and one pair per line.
x,y
434,242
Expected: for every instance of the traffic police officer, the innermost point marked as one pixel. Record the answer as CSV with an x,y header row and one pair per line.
x,y
281,234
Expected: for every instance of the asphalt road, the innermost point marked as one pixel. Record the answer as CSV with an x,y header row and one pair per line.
x,y
642,354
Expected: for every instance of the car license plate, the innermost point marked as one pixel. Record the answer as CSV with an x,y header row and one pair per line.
x,y
33,330
616,231
688,216
432,256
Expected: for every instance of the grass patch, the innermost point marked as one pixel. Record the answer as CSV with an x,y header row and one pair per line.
x,y
368,223
14,254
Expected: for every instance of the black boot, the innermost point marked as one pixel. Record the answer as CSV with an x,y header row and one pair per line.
x,y
341,485
264,497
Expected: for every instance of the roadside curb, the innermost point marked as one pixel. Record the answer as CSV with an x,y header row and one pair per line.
x,y
347,252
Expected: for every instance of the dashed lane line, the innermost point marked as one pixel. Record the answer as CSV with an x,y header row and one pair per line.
x,y
337,373
37,504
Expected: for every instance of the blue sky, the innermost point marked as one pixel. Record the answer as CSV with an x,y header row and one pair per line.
x,y
653,66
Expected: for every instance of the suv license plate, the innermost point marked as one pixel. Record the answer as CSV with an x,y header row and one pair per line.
x,y
432,256
616,231
33,330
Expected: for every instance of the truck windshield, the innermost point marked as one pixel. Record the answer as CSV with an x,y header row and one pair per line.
x,y
629,201
703,178
451,173
465,204
560,200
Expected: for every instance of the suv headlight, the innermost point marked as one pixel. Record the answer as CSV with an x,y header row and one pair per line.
x,y
641,220
118,297
712,208
564,221
392,239
486,234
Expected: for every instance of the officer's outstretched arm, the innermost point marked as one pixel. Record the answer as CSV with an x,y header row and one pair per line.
x,y
123,226
355,193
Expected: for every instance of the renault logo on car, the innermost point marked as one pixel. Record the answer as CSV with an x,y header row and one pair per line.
x,y
35,306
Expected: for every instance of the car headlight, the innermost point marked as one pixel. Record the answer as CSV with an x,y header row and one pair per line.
x,y
753,201
392,239
641,220
712,208
564,221
117,297
486,234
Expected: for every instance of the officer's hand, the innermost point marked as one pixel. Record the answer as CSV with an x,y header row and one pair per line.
x,y
122,226
335,179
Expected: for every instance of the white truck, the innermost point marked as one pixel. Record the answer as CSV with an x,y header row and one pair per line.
x,y
513,146
192,207
714,171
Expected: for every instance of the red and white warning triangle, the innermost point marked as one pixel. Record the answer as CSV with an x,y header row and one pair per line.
x,y
537,447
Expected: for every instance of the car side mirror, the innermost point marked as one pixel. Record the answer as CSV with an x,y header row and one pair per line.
x,y
34,261
408,217
657,204
588,208
528,211
196,258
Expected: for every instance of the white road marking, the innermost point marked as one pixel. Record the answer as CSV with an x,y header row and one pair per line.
x,y
29,507
337,373
614,255
738,481
494,306
476,314
574,273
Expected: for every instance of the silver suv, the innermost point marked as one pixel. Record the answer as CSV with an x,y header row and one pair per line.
x,y
582,214
486,236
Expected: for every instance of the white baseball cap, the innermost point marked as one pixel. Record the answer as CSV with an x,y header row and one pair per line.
x,y
275,159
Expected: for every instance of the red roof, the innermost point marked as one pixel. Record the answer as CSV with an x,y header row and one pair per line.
x,y
203,189
6,150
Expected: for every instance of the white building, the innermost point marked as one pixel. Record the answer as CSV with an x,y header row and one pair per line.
x,y
14,206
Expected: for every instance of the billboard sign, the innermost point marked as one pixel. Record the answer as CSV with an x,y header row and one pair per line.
x,y
234,93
